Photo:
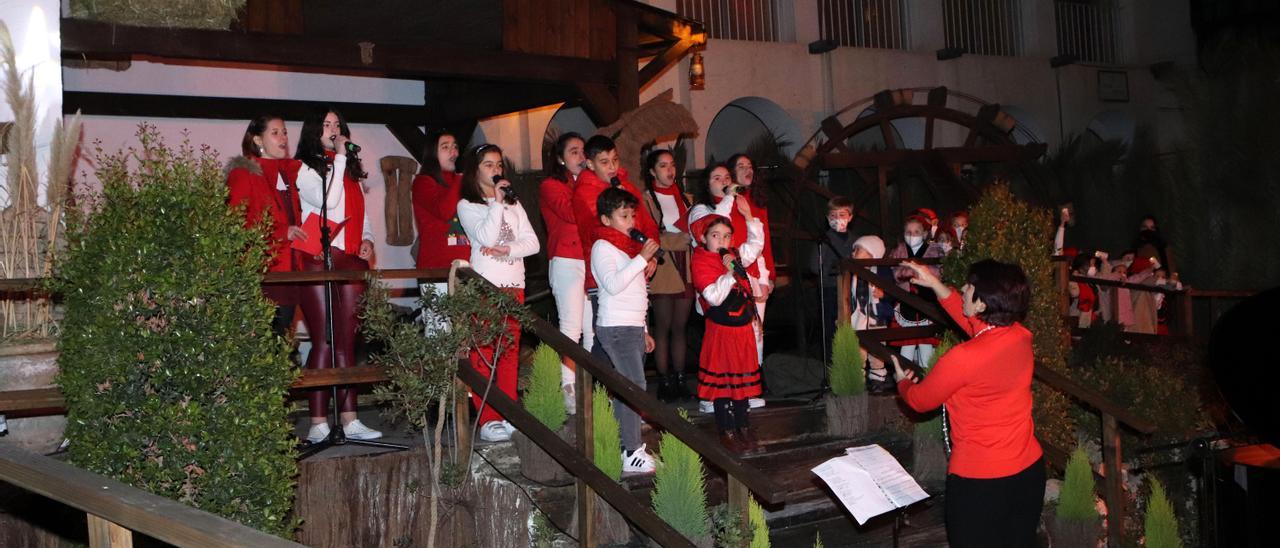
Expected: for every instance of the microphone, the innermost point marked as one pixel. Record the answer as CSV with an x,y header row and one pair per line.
x,y
737,268
509,193
351,147
615,183
640,237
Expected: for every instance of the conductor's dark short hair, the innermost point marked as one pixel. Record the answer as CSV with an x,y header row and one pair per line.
x,y
1003,287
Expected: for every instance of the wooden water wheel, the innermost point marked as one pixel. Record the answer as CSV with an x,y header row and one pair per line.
x,y
959,131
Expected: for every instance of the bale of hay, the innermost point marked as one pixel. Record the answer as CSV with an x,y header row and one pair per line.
x,y
197,14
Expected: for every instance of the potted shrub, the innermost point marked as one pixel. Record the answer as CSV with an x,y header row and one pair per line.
x,y
544,400
611,527
29,249
679,490
759,527
846,405
173,380
1160,527
1076,521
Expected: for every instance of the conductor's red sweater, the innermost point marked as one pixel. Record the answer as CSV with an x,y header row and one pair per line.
x,y
986,384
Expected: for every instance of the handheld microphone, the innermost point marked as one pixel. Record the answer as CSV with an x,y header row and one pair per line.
x,y
509,193
638,236
351,147
737,267
615,182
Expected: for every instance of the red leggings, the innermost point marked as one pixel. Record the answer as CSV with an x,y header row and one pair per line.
x,y
508,374
345,300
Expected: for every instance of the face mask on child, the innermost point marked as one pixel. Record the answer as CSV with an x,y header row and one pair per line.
x,y
1093,270
913,241
838,225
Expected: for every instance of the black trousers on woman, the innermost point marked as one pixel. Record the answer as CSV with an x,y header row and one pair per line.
x,y
997,512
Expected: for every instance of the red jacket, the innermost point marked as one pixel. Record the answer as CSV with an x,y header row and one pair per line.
x,y
584,212
986,384
251,183
435,211
767,254
555,199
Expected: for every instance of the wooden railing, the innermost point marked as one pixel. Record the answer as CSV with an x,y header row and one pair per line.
x,y
1113,413
115,510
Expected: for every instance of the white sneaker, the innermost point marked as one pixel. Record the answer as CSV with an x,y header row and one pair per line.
x,y
567,383
318,433
356,430
706,408
755,403
494,431
637,462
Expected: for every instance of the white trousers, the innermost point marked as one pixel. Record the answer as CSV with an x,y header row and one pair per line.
x,y
568,278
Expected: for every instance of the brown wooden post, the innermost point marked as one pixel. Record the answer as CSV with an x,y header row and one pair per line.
x,y
105,534
882,185
628,59
1186,313
586,444
844,294
1062,277
739,500
462,421
1114,484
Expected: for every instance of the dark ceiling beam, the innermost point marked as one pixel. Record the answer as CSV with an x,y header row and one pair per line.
x,y
411,138
89,39
452,101
229,108
949,155
665,60
599,103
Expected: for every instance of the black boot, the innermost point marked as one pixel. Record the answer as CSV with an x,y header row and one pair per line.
x,y
681,388
664,388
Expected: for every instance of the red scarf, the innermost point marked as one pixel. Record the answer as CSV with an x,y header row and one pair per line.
x,y
353,195
619,240
673,191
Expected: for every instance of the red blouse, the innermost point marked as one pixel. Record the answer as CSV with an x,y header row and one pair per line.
x,y
435,211
584,212
986,384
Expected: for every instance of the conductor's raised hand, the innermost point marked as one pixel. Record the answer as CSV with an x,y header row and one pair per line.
x,y
899,374
924,276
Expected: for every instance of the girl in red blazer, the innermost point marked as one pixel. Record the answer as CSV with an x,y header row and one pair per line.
x,y
436,191
567,266
262,181
995,478
322,148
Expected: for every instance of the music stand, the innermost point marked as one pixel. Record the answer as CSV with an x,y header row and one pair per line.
x,y
336,437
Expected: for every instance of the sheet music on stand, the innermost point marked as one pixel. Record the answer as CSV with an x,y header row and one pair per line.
x,y
869,482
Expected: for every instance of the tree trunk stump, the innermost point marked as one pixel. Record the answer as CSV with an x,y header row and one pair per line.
x,y
537,465
847,416
611,527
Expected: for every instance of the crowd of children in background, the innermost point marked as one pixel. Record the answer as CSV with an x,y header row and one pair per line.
x,y
627,267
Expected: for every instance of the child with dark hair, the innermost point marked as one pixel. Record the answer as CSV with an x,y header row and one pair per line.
x,y
436,191
618,264
730,372
670,292
604,171
566,267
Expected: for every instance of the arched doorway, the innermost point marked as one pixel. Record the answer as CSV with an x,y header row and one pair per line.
x,y
749,123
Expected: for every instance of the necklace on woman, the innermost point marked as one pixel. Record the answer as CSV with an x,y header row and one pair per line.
x,y
983,330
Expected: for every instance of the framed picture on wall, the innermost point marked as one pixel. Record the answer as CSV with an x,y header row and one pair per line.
x,y
1113,86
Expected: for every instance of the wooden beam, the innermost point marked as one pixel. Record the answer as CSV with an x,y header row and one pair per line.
x,y
628,80
104,534
664,60
450,101
411,138
228,108
599,102
91,39
163,519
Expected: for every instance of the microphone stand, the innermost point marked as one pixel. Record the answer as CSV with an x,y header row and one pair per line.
x,y
337,437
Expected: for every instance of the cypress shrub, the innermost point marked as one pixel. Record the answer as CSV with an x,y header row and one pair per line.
x,y
608,440
1076,501
173,379
759,527
543,397
1009,230
679,490
846,362
817,541
1160,526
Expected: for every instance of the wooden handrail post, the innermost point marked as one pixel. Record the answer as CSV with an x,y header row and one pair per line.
x,y
1061,277
586,444
1186,314
844,296
739,500
462,423
1114,484
107,534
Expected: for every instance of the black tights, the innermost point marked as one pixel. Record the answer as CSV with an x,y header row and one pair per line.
x,y
731,414
346,298
670,316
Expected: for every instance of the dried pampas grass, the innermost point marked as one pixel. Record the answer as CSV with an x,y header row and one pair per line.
x,y
199,14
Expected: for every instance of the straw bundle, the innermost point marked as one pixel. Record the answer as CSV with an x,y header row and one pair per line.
x,y
200,14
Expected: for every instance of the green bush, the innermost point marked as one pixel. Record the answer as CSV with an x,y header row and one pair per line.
x,y
759,527
543,398
846,362
1076,500
1160,526
173,380
932,428
679,490
608,439
1166,397
1008,230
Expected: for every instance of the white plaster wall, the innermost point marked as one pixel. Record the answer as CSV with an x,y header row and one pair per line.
x,y
33,27
224,136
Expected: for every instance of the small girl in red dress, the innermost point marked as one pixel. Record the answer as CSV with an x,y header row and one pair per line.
x,y
730,369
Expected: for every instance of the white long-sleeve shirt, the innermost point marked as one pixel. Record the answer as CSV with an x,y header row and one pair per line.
x,y
484,225
311,197
749,251
624,293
